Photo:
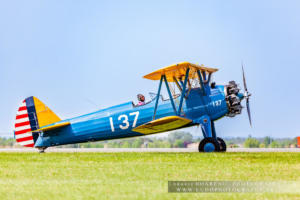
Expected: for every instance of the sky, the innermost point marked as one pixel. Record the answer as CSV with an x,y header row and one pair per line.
x,y
81,56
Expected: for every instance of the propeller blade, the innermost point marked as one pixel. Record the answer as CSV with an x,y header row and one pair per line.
x,y
247,96
248,111
244,79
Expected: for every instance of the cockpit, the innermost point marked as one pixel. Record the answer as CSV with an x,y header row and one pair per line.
x,y
175,89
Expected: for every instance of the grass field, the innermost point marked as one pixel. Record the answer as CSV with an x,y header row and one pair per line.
x,y
138,175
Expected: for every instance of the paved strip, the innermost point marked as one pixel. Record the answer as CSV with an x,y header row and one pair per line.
x,y
112,150
263,150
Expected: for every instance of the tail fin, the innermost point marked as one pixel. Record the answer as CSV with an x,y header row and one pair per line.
x,y
32,114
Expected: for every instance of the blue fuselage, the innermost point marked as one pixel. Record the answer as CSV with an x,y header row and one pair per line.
x,y
118,121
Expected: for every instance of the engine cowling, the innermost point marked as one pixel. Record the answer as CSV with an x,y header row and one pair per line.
x,y
232,99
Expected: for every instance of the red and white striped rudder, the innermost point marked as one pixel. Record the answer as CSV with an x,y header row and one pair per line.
x,y
23,134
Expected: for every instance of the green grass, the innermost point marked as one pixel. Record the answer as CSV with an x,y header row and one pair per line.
x,y
138,175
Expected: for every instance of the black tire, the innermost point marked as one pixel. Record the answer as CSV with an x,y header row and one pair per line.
x,y
214,142
222,144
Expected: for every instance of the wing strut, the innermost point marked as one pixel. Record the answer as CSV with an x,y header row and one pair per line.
x,y
176,81
183,90
157,97
170,95
201,82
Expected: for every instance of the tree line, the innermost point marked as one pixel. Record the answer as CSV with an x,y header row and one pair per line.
x,y
177,139
268,142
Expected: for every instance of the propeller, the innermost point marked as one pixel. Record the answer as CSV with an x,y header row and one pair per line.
x,y
247,95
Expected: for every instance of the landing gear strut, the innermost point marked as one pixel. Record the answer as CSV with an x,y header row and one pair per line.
x,y
210,143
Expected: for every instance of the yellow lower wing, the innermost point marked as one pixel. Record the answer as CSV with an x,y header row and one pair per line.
x,y
162,124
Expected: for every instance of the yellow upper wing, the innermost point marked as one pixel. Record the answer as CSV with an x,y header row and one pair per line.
x,y
178,71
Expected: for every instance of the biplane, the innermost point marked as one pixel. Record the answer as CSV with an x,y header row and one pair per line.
x,y
193,100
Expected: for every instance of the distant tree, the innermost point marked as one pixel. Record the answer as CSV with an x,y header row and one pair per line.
x,y
274,144
285,143
151,145
267,141
98,145
251,143
295,141
137,143
262,145
179,135
125,144
234,146
179,143
187,137
166,144
172,137
156,143
84,145
113,144
7,142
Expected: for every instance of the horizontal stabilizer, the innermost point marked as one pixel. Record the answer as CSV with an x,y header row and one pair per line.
x,y
162,125
55,126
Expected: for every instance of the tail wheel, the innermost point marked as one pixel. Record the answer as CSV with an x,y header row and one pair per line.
x,y
222,144
209,145
42,149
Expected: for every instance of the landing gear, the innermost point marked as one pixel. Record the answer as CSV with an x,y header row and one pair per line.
x,y
212,145
42,149
209,145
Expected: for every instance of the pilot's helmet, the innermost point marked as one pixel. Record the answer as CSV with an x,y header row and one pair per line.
x,y
141,97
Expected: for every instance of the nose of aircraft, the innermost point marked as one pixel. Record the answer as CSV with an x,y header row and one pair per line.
x,y
240,96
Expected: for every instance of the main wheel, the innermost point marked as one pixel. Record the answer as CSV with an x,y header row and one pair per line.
x,y
209,145
222,144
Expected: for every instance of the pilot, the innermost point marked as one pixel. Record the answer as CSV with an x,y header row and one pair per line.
x,y
141,99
